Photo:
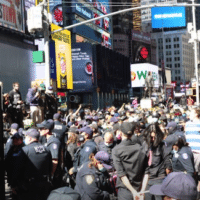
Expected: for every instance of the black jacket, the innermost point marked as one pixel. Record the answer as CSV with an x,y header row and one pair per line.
x,y
129,160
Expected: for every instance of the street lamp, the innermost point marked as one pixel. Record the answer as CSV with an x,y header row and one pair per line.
x,y
194,35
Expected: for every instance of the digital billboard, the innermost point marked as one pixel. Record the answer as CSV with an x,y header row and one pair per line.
x,y
12,14
82,63
168,17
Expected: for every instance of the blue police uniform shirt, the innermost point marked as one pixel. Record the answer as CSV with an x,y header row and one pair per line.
x,y
87,148
54,145
59,130
183,160
36,160
89,184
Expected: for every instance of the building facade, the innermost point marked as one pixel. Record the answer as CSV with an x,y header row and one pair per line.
x,y
178,54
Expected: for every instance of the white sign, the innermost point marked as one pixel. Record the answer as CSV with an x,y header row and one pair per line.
x,y
140,71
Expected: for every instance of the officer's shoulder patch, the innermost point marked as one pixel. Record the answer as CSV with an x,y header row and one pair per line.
x,y
87,149
89,179
39,149
185,156
55,146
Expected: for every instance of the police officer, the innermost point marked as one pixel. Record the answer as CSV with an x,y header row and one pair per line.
x,y
129,161
183,159
83,153
12,159
54,146
92,180
35,169
13,129
59,129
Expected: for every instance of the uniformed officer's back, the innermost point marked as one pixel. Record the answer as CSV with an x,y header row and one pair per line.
x,y
59,129
36,168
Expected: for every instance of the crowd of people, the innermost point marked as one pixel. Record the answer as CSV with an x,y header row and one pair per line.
x,y
113,153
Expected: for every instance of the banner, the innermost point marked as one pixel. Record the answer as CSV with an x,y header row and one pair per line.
x,y
12,15
140,71
63,58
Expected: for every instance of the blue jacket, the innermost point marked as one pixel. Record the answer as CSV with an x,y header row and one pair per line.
x,y
83,153
33,101
91,184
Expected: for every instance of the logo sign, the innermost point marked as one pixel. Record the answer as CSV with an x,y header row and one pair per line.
x,y
140,71
63,58
168,17
11,14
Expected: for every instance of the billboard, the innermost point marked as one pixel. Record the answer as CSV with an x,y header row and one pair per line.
x,y
82,63
168,17
12,14
140,71
63,58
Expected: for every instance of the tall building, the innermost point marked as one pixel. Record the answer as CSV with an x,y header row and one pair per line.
x,y
178,53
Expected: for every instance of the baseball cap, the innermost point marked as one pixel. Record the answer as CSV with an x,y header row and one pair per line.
x,y
177,185
49,124
87,130
171,125
14,126
64,193
127,128
104,158
114,119
17,136
32,132
56,116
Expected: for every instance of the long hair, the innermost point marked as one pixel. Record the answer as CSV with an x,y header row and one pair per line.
x,y
73,138
159,135
93,161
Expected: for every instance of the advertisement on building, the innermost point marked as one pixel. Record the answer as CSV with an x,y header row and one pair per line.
x,y
101,27
63,58
168,17
12,14
82,63
140,71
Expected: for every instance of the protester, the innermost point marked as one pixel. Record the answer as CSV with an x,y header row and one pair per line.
x,y
141,146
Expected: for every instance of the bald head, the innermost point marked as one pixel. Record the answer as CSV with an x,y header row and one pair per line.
x,y
108,137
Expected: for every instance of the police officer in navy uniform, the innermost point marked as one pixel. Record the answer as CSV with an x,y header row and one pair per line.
x,y
54,146
130,162
13,129
35,169
12,159
59,129
92,180
183,159
83,153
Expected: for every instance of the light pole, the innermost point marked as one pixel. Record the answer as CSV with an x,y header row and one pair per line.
x,y
195,52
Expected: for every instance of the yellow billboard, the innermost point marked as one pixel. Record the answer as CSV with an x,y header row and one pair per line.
x,y
63,58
